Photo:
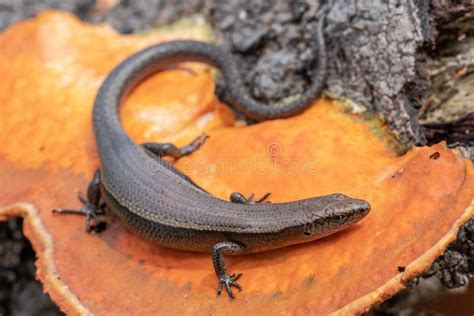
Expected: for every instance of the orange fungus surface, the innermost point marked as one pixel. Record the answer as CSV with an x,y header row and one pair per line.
x,y
51,69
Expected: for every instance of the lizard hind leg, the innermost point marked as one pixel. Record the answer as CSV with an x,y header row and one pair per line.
x,y
225,279
91,206
167,149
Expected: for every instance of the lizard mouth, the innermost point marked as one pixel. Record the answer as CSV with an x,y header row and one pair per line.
x,y
361,210
364,209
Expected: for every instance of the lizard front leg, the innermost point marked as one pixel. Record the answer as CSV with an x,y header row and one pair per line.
x,y
237,197
225,279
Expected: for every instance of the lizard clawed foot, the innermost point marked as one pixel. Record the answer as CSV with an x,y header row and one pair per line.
x,y
237,197
90,211
228,280
201,139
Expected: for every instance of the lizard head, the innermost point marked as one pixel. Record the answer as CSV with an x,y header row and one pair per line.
x,y
332,213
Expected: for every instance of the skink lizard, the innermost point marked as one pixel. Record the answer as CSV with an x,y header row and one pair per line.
x,y
159,203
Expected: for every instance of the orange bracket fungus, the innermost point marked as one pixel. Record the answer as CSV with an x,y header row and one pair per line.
x,y
55,66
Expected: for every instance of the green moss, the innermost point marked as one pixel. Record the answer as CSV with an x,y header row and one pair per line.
x,y
376,125
197,23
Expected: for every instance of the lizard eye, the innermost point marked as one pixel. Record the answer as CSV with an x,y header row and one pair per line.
x,y
307,231
339,218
